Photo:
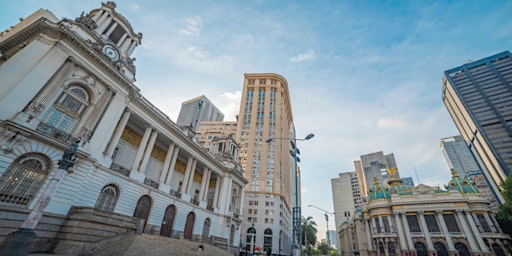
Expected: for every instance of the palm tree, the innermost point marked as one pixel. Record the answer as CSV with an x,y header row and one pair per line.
x,y
308,232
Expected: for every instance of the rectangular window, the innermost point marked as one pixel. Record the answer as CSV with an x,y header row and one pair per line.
x,y
451,223
431,221
414,225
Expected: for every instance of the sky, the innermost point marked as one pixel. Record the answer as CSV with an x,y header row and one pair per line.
x,y
364,76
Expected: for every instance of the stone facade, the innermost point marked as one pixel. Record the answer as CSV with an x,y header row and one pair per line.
x,y
135,169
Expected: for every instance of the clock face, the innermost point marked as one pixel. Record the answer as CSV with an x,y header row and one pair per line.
x,y
110,52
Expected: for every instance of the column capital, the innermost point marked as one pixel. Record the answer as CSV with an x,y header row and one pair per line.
x,y
439,211
420,212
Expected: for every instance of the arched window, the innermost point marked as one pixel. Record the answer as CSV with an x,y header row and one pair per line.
x,y
462,249
67,110
421,250
108,197
22,180
498,251
206,229
267,238
391,247
441,249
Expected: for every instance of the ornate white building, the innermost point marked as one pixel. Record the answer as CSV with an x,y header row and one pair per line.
x,y
135,171
423,220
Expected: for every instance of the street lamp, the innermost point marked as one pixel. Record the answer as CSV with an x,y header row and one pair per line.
x,y
295,152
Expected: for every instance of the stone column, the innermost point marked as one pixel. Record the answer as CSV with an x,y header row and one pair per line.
x,y
426,233
172,165
117,134
478,236
216,194
111,29
147,152
167,162
469,234
122,40
447,235
480,228
407,231
186,177
190,182
390,222
141,149
203,184
400,231
102,22
368,234
207,186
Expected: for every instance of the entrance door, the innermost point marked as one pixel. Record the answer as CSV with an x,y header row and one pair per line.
x,y
189,226
168,221
142,209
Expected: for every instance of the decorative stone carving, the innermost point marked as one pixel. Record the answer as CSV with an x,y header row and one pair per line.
x,y
87,21
35,108
85,134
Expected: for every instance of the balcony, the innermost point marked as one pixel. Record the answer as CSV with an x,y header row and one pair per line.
x,y
56,133
194,201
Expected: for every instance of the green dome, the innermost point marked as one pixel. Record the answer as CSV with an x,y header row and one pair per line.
x,y
462,185
377,192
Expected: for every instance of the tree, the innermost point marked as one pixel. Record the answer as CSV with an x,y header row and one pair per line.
x,y
324,248
308,232
504,215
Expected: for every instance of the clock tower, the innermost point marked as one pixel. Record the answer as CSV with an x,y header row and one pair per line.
x,y
111,35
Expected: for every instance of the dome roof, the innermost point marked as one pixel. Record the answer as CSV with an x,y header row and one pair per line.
x,y
461,184
377,192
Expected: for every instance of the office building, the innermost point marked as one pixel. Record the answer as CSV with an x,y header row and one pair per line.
x,y
373,165
408,181
459,157
346,197
71,82
332,238
197,110
210,131
478,96
265,112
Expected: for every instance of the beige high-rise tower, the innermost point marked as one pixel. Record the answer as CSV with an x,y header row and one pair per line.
x,y
265,112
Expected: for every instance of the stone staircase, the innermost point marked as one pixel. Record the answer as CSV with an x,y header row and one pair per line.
x,y
137,245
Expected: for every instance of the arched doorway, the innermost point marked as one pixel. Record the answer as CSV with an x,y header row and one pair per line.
x,y
189,226
206,229
421,250
168,221
462,249
441,249
142,209
496,248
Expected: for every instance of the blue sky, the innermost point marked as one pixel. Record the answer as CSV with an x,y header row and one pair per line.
x,y
364,76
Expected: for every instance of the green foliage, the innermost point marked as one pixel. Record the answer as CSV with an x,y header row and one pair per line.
x,y
324,249
504,215
308,232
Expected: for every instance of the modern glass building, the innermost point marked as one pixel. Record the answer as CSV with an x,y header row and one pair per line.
x,y
478,96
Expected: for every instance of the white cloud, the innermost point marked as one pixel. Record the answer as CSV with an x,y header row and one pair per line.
x,y
196,52
307,56
392,123
192,26
229,104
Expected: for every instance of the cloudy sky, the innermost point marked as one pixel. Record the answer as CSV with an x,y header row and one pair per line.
x,y
364,76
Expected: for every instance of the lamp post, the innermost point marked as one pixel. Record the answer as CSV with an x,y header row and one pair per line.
x,y
19,242
296,214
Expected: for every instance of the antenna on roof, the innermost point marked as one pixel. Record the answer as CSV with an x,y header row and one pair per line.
x,y
416,174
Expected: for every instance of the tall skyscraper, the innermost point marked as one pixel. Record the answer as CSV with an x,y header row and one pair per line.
x,y
196,110
478,96
374,165
346,197
265,112
460,158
